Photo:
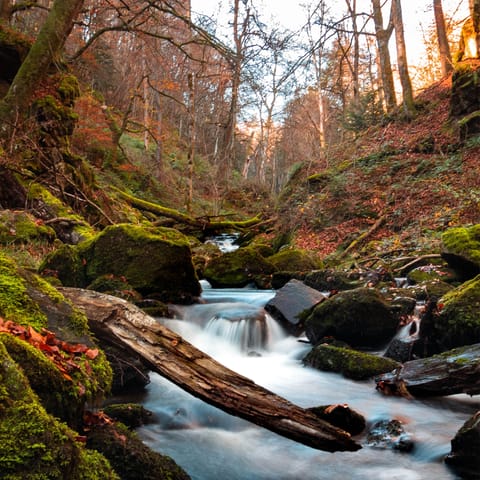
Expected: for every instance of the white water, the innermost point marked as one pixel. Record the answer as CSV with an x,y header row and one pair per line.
x,y
210,444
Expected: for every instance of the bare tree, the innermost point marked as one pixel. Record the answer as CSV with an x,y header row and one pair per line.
x,y
443,45
383,36
408,102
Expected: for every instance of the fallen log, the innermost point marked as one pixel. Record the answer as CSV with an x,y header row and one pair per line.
x,y
449,373
203,223
114,320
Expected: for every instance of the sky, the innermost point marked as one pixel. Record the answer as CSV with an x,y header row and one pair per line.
x,y
416,15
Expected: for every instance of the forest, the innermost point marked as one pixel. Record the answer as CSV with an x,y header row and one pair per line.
x,y
340,156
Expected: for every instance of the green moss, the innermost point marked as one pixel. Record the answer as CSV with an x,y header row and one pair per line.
x,y
69,89
350,363
34,445
463,241
295,260
56,209
15,303
238,268
459,321
20,227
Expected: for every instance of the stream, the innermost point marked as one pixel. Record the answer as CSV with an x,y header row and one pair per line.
x,y
210,444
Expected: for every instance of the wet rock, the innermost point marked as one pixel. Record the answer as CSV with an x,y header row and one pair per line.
x,y
390,434
361,317
465,453
129,456
341,416
350,363
132,415
290,302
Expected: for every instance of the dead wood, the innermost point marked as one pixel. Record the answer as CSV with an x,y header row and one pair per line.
x,y
203,223
114,320
363,236
449,373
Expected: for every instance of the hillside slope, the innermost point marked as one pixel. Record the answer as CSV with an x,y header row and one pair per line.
x,y
403,182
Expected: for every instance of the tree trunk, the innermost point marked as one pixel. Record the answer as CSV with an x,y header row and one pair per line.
x,y
45,51
408,103
5,9
383,37
443,45
114,320
449,373
475,14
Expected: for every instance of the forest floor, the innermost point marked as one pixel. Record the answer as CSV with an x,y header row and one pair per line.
x,y
407,181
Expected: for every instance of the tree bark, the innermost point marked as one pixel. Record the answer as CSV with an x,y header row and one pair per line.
x,y
383,37
114,320
45,51
443,45
449,373
408,103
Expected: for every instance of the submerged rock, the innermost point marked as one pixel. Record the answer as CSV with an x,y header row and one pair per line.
x,y
359,317
390,434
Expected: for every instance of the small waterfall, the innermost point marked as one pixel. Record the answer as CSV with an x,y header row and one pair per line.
x,y
247,333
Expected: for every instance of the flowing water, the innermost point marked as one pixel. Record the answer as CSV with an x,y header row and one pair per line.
x,y
210,444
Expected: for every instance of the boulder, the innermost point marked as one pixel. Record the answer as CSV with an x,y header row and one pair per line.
x,y
457,321
129,456
22,227
151,260
461,250
464,103
237,268
290,302
464,456
350,363
295,260
359,317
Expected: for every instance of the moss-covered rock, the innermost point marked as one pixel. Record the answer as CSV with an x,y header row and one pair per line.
x,y
238,268
35,445
328,279
350,363
151,260
69,227
461,249
21,227
132,415
295,260
15,302
465,452
458,322
359,317
130,457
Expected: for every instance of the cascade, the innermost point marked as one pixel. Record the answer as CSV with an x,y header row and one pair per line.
x,y
209,443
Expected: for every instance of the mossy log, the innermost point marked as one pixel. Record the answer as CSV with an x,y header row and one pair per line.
x,y
449,373
114,320
203,223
